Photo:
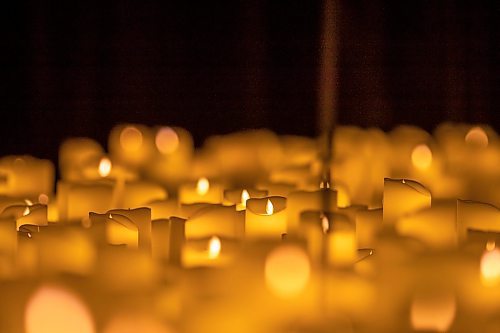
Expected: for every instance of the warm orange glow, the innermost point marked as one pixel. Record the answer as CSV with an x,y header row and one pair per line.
x,y
167,140
490,267
477,137
325,224
202,186
134,323
130,139
269,207
244,197
28,202
287,271
43,199
421,157
105,167
27,211
434,312
214,247
56,310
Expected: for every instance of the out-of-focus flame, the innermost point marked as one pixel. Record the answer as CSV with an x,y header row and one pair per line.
x,y
214,247
28,202
53,309
325,224
202,186
43,199
131,139
287,271
421,157
244,197
167,140
105,167
490,267
477,137
269,207
27,211
490,246
433,312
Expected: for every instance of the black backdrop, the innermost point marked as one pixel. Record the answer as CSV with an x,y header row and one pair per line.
x,y
76,68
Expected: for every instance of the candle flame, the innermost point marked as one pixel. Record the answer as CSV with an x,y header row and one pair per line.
x,y
421,157
490,246
490,267
202,186
105,167
131,139
57,310
325,224
166,140
477,137
28,202
269,207
287,271
43,199
27,211
324,184
214,247
244,197
110,216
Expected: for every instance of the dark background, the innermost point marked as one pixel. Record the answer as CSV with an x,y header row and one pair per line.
x,y
76,68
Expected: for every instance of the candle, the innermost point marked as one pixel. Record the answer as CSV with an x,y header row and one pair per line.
x,y
203,191
302,200
403,196
25,176
265,217
167,239
131,227
213,251
216,220
239,197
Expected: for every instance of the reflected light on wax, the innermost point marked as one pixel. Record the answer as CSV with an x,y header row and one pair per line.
x,y
287,271
53,309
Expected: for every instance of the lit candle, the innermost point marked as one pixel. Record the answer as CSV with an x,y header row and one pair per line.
x,y
301,201
213,251
239,197
203,191
265,217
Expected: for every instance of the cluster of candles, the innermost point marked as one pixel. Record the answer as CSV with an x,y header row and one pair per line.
x,y
244,235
